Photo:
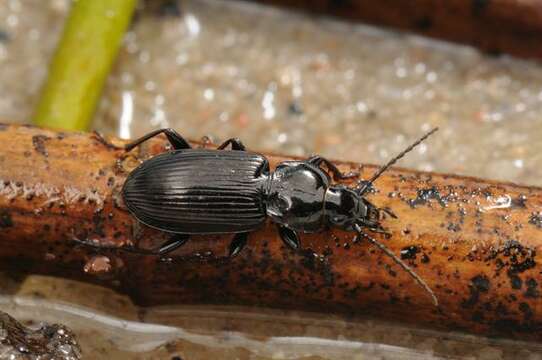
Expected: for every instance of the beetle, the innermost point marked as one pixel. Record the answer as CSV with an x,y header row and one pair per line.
x,y
189,191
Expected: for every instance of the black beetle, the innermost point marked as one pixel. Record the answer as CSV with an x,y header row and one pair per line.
x,y
202,191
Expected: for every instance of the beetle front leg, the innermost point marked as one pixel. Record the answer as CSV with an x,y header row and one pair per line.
x,y
289,237
235,143
317,160
388,212
176,140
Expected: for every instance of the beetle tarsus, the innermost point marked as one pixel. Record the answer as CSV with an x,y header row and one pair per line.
x,y
289,237
238,243
235,143
176,140
104,141
176,241
129,249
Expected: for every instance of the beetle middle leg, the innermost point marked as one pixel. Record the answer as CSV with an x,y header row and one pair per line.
x,y
235,143
176,140
289,237
317,160
176,241
238,243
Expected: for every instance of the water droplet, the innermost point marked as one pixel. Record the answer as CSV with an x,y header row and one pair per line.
x,y
98,264
431,77
501,202
209,94
409,252
401,72
65,349
192,24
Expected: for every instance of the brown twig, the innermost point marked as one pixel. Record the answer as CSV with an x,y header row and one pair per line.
x,y
475,242
495,26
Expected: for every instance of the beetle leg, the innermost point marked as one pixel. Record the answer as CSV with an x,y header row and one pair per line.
x,y
264,169
235,143
289,237
176,241
115,248
176,140
317,160
238,243
103,141
388,212
376,228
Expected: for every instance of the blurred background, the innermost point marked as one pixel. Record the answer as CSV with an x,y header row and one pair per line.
x,y
288,83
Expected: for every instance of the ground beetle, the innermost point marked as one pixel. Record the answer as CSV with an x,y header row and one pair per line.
x,y
202,191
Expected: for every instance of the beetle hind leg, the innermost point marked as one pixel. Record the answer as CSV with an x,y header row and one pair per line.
x,y
128,249
101,139
176,140
176,241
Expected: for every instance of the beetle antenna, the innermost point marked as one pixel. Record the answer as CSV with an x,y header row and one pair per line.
x,y
399,262
366,184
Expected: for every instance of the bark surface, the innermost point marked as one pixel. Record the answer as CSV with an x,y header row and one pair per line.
x,y
475,242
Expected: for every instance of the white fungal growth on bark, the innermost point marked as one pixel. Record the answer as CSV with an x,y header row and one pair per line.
x,y
52,195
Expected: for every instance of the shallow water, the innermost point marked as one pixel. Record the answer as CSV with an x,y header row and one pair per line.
x,y
108,329
292,84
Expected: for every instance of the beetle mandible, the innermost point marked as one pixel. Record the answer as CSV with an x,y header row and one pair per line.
x,y
190,191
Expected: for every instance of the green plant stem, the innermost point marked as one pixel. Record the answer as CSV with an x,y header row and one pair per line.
x,y
88,47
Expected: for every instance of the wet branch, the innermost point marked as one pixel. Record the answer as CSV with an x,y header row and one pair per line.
x,y
498,26
475,242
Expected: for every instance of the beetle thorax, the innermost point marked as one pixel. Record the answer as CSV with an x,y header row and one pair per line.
x,y
295,196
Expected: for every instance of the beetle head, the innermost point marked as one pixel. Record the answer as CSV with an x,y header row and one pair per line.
x,y
344,207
